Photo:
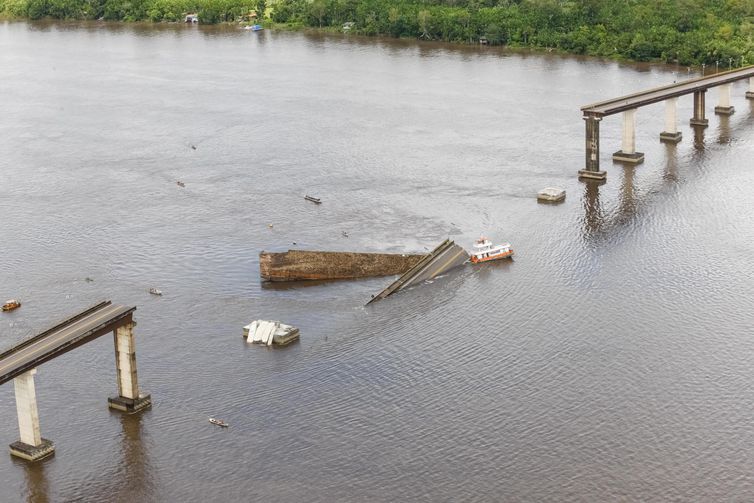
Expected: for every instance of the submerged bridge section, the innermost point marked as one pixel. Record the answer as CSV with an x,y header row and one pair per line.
x,y
628,105
20,363
446,256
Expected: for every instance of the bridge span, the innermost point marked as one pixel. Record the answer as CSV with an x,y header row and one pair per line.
x,y
20,363
628,105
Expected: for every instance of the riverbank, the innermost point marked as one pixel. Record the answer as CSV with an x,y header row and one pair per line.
x,y
695,33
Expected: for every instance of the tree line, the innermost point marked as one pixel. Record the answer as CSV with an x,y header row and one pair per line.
x,y
684,31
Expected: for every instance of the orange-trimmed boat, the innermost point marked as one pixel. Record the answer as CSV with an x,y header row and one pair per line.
x,y
485,251
11,304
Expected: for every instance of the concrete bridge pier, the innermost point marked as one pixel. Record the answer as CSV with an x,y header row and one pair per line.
x,y
628,151
592,168
750,92
31,446
129,399
671,133
698,119
723,106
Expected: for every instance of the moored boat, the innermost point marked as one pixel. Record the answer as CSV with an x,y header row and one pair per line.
x,y
11,304
315,200
155,291
218,422
485,251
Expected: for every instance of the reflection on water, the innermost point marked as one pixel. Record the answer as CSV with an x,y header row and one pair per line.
x,y
593,215
723,129
671,163
37,489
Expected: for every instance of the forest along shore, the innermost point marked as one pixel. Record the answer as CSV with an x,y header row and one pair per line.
x,y
688,32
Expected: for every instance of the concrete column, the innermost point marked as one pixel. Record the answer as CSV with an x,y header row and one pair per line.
x,y
698,119
592,168
750,92
129,399
671,133
723,105
31,446
628,151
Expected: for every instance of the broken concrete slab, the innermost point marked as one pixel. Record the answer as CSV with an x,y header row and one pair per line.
x,y
440,260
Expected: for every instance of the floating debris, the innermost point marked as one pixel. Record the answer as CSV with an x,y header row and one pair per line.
x,y
551,195
270,332
193,147
88,279
180,183
269,226
218,422
315,200
11,304
155,291
345,234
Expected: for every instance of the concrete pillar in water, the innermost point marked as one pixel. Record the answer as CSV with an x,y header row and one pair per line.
x,y
750,92
31,446
698,118
628,152
592,168
129,399
671,133
723,106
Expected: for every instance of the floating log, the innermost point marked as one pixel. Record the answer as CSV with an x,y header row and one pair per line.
x,y
298,265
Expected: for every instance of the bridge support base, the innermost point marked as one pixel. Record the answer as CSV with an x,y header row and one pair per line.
x,y
699,122
592,175
32,452
632,158
129,405
666,137
725,110
750,95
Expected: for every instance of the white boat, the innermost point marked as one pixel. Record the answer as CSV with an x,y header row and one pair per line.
x,y
155,291
484,251
218,422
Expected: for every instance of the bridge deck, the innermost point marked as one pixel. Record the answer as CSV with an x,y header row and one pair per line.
x,y
82,328
630,101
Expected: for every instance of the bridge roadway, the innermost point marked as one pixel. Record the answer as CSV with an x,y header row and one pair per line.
x,y
63,337
631,101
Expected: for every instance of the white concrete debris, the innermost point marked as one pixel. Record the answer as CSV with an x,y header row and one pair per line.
x,y
551,194
270,332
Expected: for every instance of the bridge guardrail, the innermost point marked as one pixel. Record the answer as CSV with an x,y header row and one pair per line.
x,y
58,326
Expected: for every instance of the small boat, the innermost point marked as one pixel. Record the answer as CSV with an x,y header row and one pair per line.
x,y
484,251
155,291
11,304
254,27
315,200
218,422
180,183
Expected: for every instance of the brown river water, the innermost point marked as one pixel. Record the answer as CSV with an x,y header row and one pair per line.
x,y
611,360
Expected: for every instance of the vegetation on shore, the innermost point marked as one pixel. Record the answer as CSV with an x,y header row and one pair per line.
x,y
687,31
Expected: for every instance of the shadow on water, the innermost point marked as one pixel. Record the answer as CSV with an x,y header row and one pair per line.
x,y
295,285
